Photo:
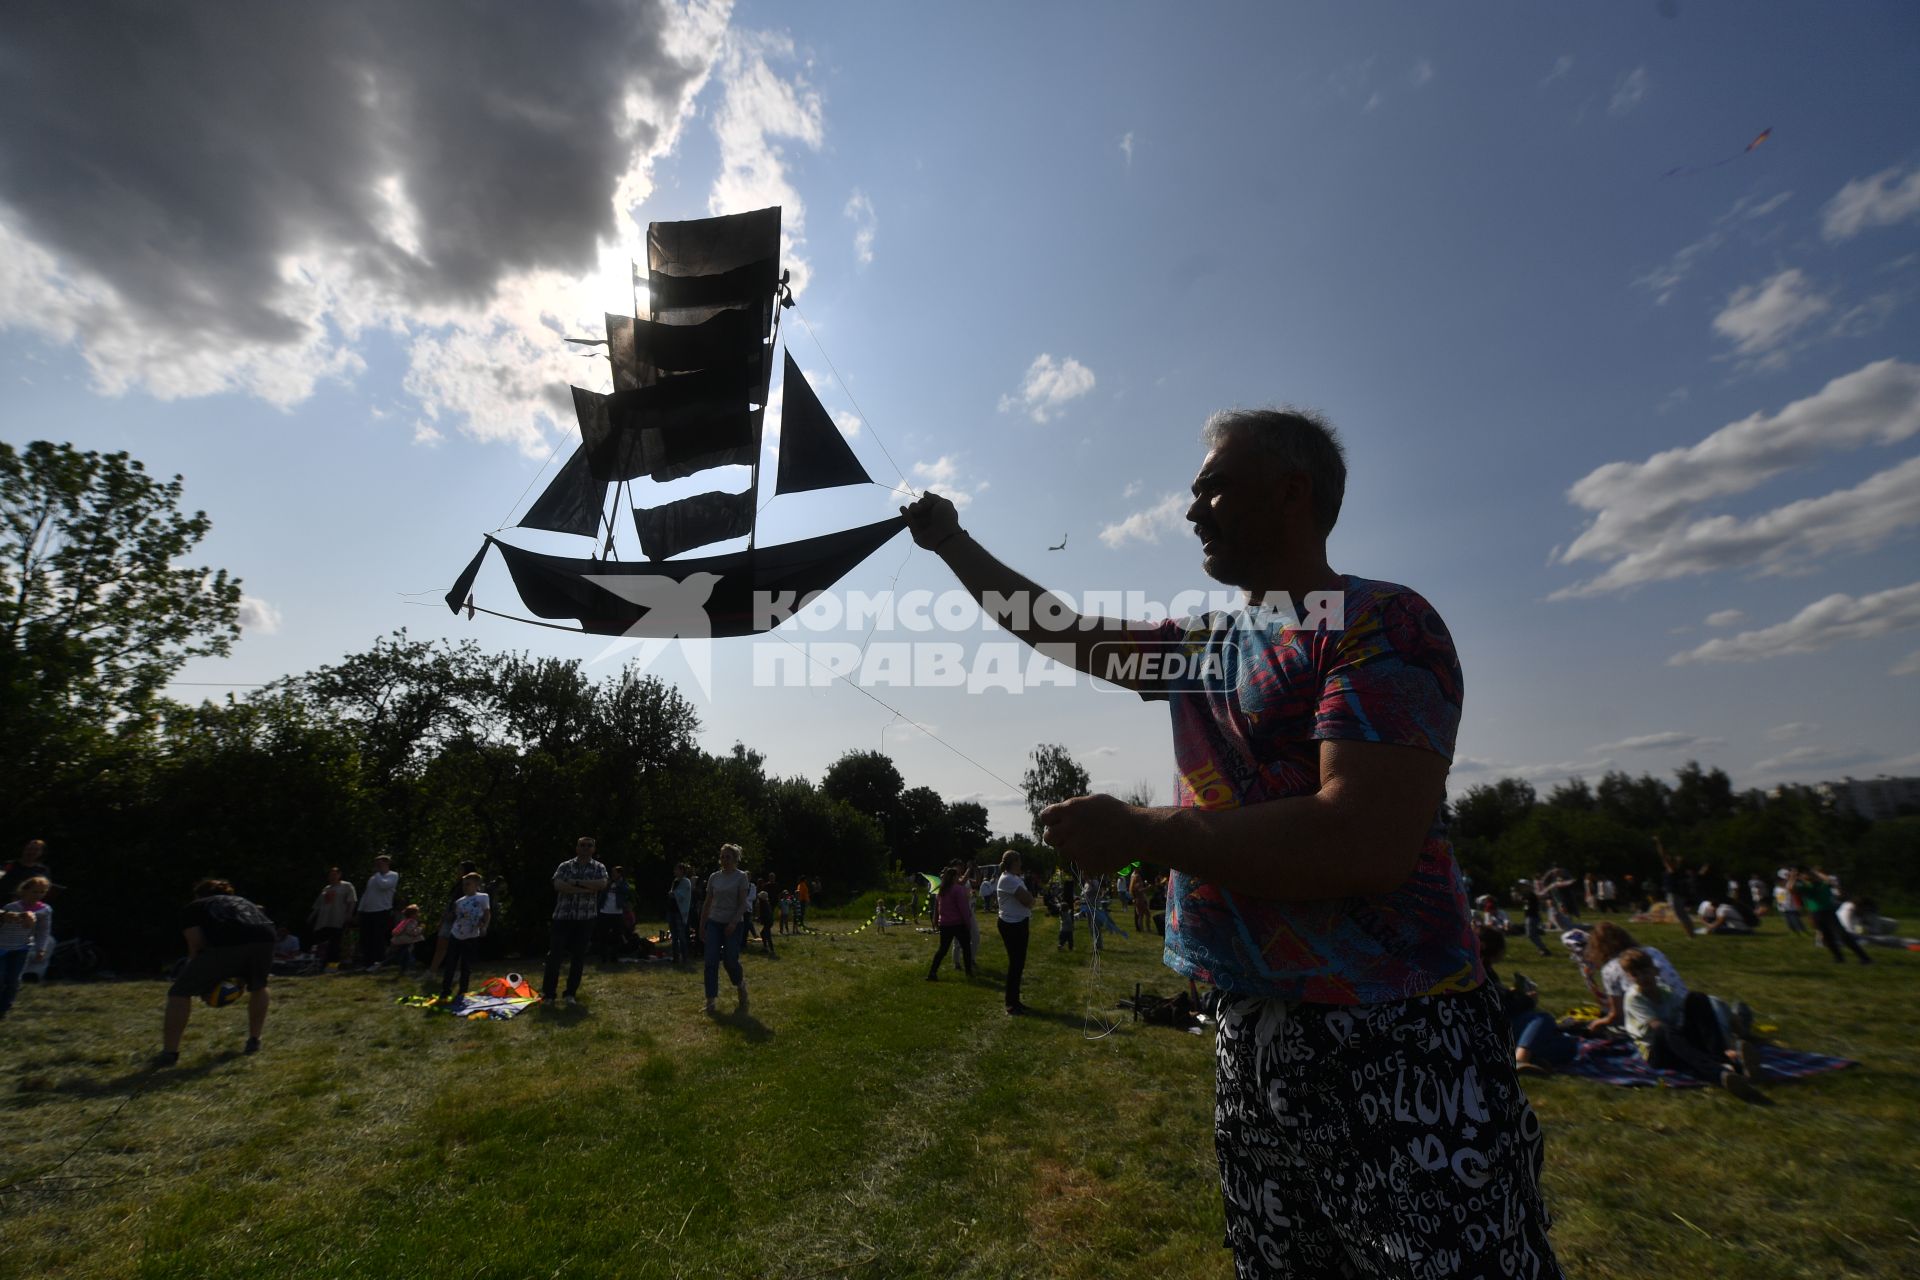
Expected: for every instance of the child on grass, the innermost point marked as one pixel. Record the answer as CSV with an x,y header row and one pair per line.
x,y
26,936
472,913
406,935
1683,1033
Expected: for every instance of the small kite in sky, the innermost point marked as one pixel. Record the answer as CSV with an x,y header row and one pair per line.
x,y
1684,169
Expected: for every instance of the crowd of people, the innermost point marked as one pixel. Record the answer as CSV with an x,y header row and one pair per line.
x,y
1640,993
231,940
1701,901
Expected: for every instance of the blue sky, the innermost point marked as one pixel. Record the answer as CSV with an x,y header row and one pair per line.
x,y
1648,443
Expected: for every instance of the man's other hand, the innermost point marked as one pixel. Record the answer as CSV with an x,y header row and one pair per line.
x,y
1098,834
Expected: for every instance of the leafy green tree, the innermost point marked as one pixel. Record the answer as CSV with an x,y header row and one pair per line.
x,y
971,829
262,791
924,841
869,782
1054,775
814,834
1574,794
96,610
404,699
1699,795
1488,809
1639,802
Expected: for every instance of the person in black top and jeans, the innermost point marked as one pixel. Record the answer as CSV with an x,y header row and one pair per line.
x,y
227,937
1677,883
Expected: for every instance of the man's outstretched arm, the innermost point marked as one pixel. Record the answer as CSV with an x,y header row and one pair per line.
x,y
1014,600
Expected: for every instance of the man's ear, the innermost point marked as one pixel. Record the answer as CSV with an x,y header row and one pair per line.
x,y
1295,487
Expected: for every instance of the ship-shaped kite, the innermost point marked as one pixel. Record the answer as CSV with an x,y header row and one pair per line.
x,y
690,386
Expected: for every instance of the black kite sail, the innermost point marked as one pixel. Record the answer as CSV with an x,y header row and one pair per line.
x,y
690,385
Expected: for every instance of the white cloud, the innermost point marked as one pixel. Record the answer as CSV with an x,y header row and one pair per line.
x,y
1048,387
1888,197
1555,771
1165,517
1758,318
1126,148
758,109
865,226
257,616
1422,73
199,268
1629,92
1809,757
943,475
1907,666
1351,80
1665,280
904,732
1788,732
1562,68
1725,618
1668,741
1133,488
1837,619
1646,509
1779,540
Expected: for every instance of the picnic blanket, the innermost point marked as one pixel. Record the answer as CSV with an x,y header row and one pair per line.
x,y
1614,1061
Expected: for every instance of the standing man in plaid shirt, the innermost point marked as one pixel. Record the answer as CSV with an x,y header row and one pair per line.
x,y
577,884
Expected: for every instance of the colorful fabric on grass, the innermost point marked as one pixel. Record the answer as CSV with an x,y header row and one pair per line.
x,y
471,1007
1612,1061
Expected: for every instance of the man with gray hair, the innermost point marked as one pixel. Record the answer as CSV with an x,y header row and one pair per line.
x,y
1368,1121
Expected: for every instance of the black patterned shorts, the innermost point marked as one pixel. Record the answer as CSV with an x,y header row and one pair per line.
x,y
1378,1140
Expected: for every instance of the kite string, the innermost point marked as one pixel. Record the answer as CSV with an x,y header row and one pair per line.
x,y
1091,1015
898,570
898,714
846,387
551,454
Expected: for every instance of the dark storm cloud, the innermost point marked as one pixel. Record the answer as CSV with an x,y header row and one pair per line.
x,y
182,151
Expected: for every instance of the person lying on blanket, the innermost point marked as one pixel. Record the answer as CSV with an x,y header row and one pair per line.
x,y
1540,1046
1601,956
1683,1033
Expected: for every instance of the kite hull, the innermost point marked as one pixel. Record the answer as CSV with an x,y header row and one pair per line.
x,y
740,593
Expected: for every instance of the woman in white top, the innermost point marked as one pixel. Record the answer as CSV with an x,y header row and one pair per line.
x,y
1015,905
1605,944
723,925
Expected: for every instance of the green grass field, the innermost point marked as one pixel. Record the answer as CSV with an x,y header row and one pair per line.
x,y
861,1123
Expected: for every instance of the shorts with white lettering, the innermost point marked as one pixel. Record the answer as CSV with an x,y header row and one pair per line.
x,y
1378,1140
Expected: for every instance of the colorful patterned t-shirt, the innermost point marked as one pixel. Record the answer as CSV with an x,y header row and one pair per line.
x,y
1247,729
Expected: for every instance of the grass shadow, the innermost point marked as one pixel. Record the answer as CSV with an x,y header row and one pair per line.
x,y
32,1090
750,1028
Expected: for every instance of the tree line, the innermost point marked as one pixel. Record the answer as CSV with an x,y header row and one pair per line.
x,y
1503,831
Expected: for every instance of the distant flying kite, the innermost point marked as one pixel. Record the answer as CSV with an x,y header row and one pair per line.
x,y
1062,546
1685,169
